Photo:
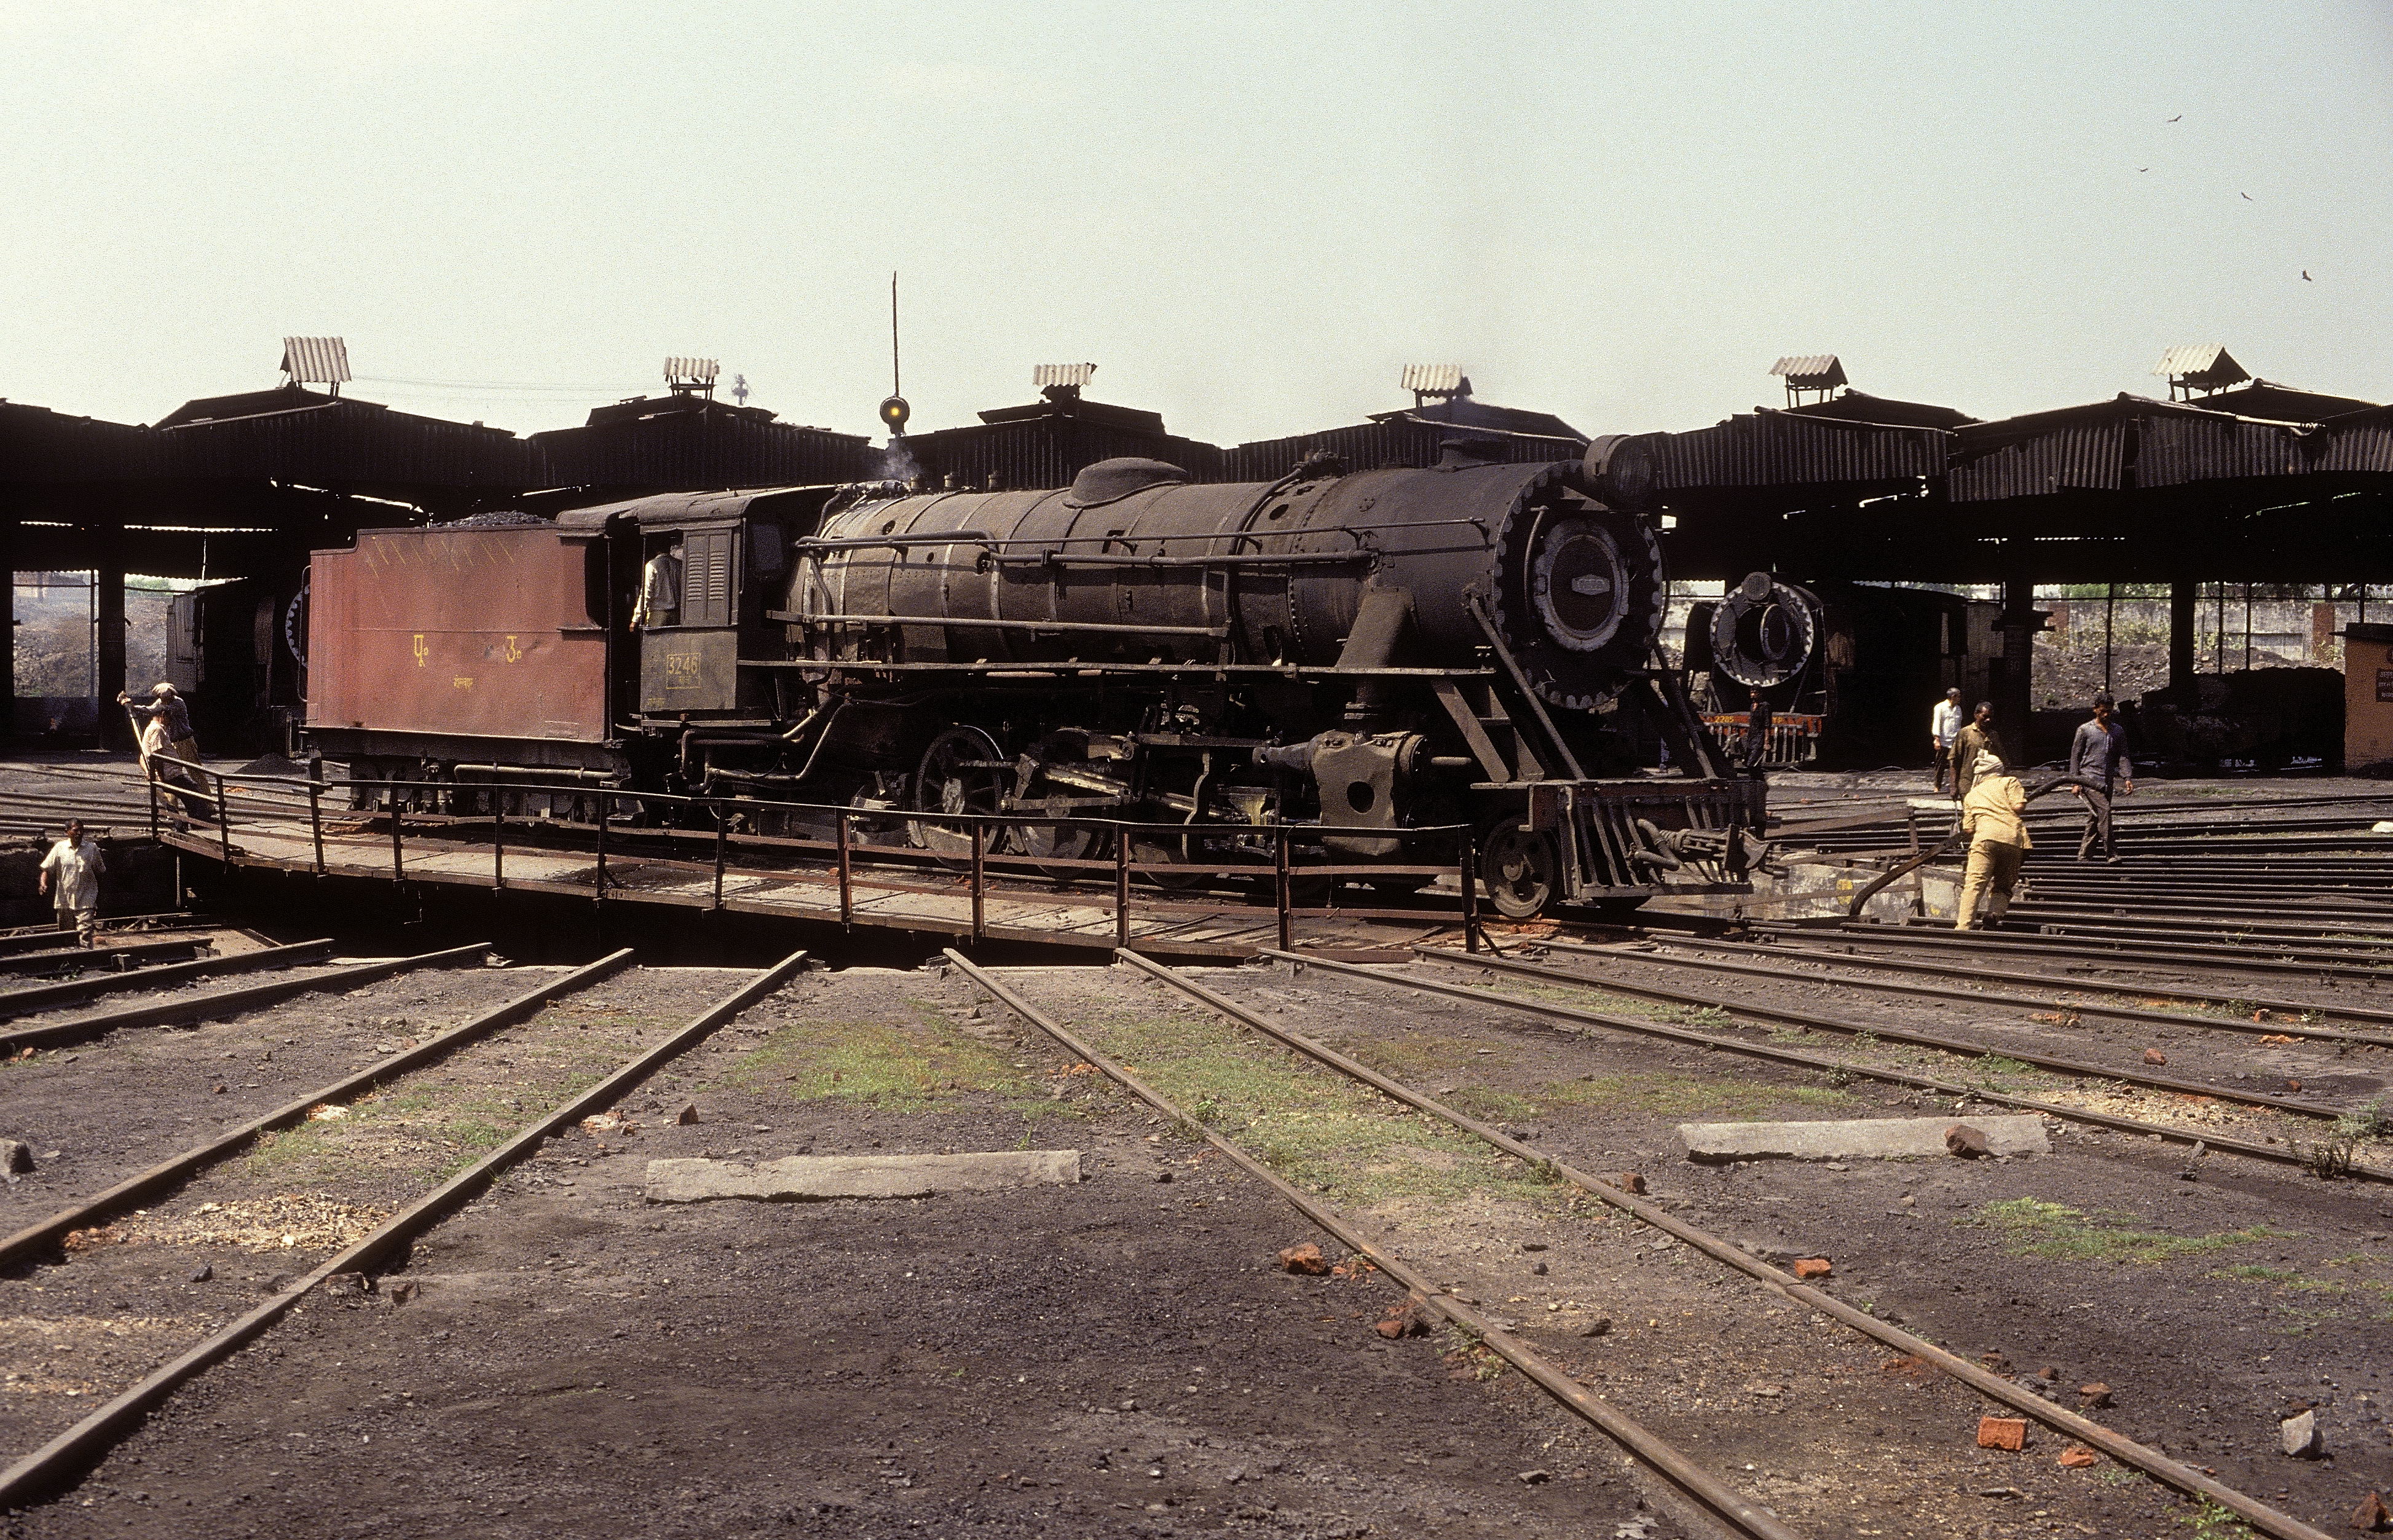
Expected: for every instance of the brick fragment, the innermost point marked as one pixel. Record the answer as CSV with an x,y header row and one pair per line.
x,y
2154,1056
1966,1141
1404,1319
1306,1259
2002,1432
2095,1395
2077,1457
2372,1517
1812,1267
1629,1181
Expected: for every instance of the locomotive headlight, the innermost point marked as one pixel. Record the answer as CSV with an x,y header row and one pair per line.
x,y
1579,582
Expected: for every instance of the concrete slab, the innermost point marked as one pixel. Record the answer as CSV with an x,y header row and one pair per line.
x,y
1861,1139
801,1179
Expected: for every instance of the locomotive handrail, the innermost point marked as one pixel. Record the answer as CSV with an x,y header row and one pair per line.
x,y
828,622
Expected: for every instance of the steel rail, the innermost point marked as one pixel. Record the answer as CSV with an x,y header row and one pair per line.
x,y
2125,916
2118,1446
1697,1484
54,1466
1579,1019
125,952
44,1232
226,1002
2082,950
47,997
1979,996
1814,1020
2282,939
2051,981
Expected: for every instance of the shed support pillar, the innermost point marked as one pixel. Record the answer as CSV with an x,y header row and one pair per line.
x,y
2012,685
108,655
8,632
2180,642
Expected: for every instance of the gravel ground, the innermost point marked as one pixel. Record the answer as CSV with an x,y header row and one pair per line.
x,y
2101,1260
1118,1358
98,1112
1122,1357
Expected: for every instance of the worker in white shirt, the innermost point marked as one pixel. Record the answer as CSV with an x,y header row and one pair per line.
x,y
659,592
1943,726
70,876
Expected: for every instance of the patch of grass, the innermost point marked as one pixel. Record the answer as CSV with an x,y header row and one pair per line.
x,y
2377,1297
2210,1521
2031,1227
1321,1131
1412,1053
287,1151
896,1067
2369,1121
1490,1105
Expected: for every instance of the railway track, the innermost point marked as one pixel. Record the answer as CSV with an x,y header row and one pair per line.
x,y
1716,1494
1613,983
2093,949
59,1460
2270,1014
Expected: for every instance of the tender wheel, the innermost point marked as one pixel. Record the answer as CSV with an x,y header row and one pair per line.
x,y
962,771
1519,868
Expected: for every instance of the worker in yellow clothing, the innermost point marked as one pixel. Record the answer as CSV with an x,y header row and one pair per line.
x,y
1993,817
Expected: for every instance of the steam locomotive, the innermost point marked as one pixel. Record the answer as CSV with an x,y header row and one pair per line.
x,y
1470,644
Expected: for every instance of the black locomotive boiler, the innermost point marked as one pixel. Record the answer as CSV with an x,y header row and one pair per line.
x,y
1471,644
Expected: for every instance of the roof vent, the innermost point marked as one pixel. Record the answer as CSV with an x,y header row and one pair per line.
x,y
1818,375
691,376
2199,369
1443,380
315,361
1061,382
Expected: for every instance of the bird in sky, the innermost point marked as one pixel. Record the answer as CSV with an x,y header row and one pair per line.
x,y
2143,168
2178,118
2306,276
2246,196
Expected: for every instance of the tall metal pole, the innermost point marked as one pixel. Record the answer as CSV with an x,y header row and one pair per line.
x,y
1121,887
979,877
846,872
2110,614
1280,882
722,838
2247,628
1470,891
895,385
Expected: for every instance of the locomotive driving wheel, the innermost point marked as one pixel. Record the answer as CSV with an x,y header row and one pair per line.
x,y
962,771
1520,867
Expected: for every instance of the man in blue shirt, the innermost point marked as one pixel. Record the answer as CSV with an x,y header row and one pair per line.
x,y
2098,756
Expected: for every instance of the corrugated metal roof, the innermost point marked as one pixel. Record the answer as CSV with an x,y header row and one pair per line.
x,y
315,361
698,370
690,443
2204,363
2360,442
1781,447
1433,379
1810,370
1072,376
1397,440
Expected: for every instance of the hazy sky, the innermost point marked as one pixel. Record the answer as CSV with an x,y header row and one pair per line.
x,y
1250,216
